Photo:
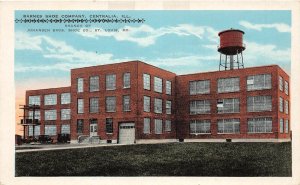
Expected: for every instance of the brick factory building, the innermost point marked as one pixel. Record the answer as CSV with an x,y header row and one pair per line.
x,y
134,102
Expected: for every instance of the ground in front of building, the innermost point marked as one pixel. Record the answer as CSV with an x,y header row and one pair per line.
x,y
171,159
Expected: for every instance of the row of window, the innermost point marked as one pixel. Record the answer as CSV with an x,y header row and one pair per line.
x,y
49,130
50,99
110,82
158,126
158,84
228,126
225,85
65,114
232,105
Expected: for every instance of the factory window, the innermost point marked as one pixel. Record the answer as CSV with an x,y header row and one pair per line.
x,y
80,106
111,82
50,114
286,87
37,130
286,130
94,105
79,84
280,83
286,108
200,107
280,104
158,126
65,129
94,83
126,80
199,126
34,100
230,105
146,125
126,103
65,114
168,107
200,87
168,87
259,103
157,105
260,125
65,98
229,126
259,82
110,104
157,84
109,125
50,99
146,103
146,78
80,126
228,85
50,130
281,125
168,126
37,114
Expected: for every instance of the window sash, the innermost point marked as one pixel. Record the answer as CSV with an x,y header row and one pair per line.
x,y
37,115
200,87
79,84
80,126
80,106
110,104
230,105
157,105
50,130
200,107
34,100
168,126
146,79
168,107
50,115
259,103
280,104
111,82
280,83
286,108
94,83
94,105
65,98
146,129
50,99
262,81
37,130
286,128
109,125
168,87
157,84
260,125
126,103
126,80
65,114
228,126
286,87
65,128
147,103
228,85
158,126
200,127
281,125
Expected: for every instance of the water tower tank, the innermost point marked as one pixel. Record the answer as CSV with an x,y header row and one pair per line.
x,y
231,46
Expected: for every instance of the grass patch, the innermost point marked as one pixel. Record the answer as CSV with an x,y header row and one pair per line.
x,y
173,159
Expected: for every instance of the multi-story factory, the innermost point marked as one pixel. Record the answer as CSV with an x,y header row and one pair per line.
x,y
134,102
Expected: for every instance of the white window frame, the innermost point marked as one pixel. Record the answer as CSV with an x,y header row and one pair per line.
x,y
231,85
50,99
37,114
34,100
286,106
110,103
168,87
200,107
158,105
260,82
126,103
80,106
168,126
224,124
158,84
281,104
65,129
281,126
110,81
280,83
229,105
286,87
287,126
126,80
168,107
94,83
147,104
147,81
65,98
200,127
65,114
80,84
260,125
199,87
158,126
37,130
259,103
50,130
147,127
50,114
94,105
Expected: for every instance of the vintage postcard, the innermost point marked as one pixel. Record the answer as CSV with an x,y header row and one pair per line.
x,y
131,92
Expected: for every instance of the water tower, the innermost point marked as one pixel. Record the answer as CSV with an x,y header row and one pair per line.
x,y
231,49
